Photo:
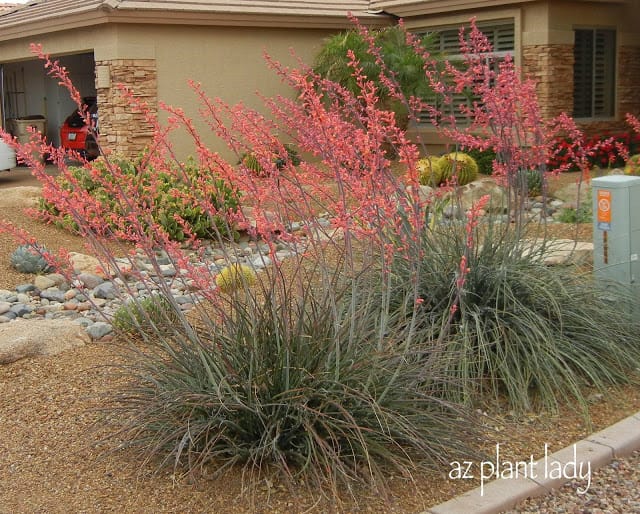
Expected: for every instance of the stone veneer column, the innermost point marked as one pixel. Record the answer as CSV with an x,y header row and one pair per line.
x,y
551,66
124,130
628,92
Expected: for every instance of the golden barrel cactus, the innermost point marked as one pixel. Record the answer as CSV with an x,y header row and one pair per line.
x,y
633,165
235,276
429,171
459,165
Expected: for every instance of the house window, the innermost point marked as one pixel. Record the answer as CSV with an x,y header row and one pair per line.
x,y
501,36
594,73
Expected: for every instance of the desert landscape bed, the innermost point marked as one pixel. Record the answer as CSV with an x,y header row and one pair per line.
x,y
54,457
327,316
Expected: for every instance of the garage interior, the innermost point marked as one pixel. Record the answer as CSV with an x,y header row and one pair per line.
x,y
32,98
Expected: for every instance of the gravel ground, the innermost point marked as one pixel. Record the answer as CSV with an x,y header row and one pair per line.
x,y
53,457
614,489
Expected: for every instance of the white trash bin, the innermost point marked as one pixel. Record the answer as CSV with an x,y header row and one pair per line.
x,y
7,156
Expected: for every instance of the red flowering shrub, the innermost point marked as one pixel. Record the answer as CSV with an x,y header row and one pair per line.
x,y
301,371
562,156
603,151
613,150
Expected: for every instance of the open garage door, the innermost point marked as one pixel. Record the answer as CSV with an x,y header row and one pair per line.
x,y
35,98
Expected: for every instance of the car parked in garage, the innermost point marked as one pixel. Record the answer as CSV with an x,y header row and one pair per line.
x,y
76,135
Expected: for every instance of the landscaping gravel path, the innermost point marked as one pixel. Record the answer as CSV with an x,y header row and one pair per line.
x,y
614,489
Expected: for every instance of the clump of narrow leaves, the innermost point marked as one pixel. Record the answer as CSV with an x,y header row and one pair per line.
x,y
286,381
515,327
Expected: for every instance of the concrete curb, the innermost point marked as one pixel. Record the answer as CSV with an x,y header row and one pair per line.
x,y
595,451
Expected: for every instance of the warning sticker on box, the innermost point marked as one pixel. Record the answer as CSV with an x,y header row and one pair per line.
x,y
604,210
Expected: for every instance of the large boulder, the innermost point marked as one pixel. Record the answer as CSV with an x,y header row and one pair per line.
x,y
425,193
470,194
27,338
561,251
85,264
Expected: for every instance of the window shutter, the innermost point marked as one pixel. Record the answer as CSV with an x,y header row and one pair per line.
x,y
504,39
582,73
603,76
594,73
450,41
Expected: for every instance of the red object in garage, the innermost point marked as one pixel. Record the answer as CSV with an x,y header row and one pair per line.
x,y
76,135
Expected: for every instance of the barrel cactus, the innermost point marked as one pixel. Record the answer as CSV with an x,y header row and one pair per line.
x,y
633,165
28,259
430,173
235,276
460,165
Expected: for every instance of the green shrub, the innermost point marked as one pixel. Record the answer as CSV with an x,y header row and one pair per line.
x,y
536,334
289,380
332,61
400,59
252,163
147,316
175,195
583,214
484,159
459,165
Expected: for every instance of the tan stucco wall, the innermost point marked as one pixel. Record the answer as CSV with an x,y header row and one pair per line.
x,y
227,61
566,16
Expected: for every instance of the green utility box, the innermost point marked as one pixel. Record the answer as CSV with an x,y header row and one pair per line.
x,y
616,229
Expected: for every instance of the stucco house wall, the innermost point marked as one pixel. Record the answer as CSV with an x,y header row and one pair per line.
x,y
156,50
157,62
544,45
156,46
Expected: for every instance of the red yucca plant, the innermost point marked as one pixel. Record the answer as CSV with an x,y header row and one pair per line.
x,y
322,369
300,372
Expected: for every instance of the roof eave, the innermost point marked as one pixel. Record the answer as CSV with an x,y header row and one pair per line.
x,y
34,29
408,8
38,28
267,20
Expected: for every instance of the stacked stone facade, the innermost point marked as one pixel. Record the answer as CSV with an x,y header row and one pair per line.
x,y
125,130
551,66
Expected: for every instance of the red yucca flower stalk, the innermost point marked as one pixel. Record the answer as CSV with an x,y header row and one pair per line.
x,y
312,368
307,339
